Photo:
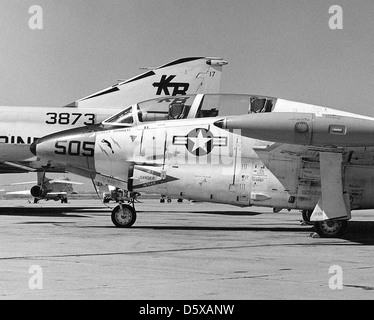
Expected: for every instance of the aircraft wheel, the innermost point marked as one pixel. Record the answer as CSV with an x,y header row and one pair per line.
x,y
123,216
330,228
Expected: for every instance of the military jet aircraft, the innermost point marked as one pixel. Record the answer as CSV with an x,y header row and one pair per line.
x,y
47,189
21,126
242,150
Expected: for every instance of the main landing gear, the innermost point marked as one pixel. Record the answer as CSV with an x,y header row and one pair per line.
x,y
327,228
330,228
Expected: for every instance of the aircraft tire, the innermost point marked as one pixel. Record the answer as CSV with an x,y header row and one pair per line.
x,y
123,216
330,228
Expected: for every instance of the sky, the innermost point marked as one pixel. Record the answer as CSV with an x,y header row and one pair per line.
x,y
282,48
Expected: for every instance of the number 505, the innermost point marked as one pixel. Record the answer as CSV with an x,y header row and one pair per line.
x,y
75,148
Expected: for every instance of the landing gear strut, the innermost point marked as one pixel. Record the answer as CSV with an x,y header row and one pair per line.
x,y
330,228
306,216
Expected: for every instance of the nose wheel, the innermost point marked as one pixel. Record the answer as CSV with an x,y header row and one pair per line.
x,y
123,216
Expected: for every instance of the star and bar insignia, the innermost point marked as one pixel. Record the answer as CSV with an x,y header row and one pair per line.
x,y
200,141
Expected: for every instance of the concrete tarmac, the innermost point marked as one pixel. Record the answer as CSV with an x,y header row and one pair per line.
x,y
178,251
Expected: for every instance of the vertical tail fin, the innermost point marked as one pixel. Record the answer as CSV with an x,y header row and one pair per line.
x,y
179,77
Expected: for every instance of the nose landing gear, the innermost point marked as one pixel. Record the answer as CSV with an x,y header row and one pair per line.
x,y
124,215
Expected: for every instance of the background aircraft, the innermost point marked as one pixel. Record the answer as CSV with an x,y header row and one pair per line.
x,y
274,153
47,189
21,126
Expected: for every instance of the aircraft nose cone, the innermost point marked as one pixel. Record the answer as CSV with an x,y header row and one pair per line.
x,y
33,147
70,147
40,146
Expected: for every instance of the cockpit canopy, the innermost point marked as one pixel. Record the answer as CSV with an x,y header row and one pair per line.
x,y
191,106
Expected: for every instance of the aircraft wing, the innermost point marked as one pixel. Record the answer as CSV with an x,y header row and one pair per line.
x,y
16,158
15,152
27,192
54,181
8,167
56,193
23,192
283,150
62,181
17,184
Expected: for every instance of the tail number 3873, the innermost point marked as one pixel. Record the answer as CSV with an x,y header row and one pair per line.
x,y
71,118
75,148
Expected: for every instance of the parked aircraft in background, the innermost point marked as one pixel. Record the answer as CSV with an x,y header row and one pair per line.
x,y
47,189
21,126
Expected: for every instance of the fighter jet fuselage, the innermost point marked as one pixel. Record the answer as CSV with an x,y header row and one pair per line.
x,y
195,159
223,159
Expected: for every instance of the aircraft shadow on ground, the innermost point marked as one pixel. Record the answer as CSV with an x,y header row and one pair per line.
x,y
48,211
360,232
230,213
223,213
219,228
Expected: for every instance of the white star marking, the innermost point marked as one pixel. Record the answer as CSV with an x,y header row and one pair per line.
x,y
200,142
